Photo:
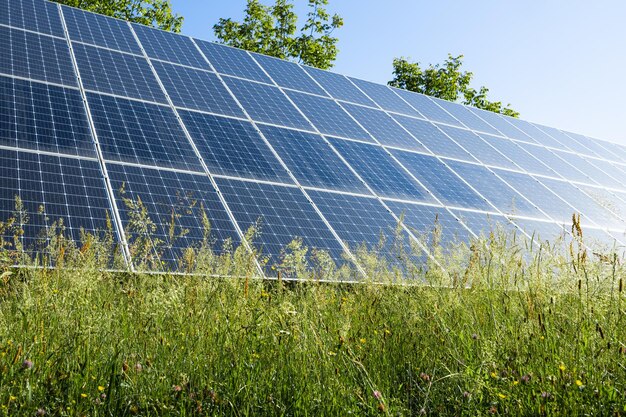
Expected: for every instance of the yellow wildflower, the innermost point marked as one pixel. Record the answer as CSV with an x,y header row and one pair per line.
x,y
562,367
100,388
83,395
501,396
579,382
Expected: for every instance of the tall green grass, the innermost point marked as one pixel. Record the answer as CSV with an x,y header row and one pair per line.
x,y
508,327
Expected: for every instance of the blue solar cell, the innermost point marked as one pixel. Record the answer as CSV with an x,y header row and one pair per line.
x,y
99,30
141,133
593,147
365,221
385,97
483,224
538,135
384,175
427,107
477,147
462,114
555,163
52,189
266,104
170,47
289,75
195,89
540,230
112,72
312,161
500,123
440,181
614,201
43,117
382,127
433,139
520,157
36,15
433,225
232,61
496,191
328,117
233,147
174,202
284,214
339,87
594,174
38,57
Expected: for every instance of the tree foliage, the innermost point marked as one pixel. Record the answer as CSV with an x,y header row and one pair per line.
x,y
155,13
447,81
273,30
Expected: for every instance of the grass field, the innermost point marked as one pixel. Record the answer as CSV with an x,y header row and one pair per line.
x,y
508,329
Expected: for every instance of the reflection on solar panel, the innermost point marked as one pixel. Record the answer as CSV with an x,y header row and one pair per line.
x,y
100,118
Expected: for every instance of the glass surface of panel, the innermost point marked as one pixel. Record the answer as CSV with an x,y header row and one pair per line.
x,y
433,139
338,86
483,224
283,214
232,61
613,201
555,163
53,189
364,221
440,181
100,30
505,128
519,156
381,126
36,15
43,117
385,97
170,47
541,231
568,143
195,89
380,171
594,174
477,147
602,149
169,196
267,104
465,116
432,225
233,147
328,117
312,161
141,133
113,72
38,57
288,74
537,135
428,108
503,197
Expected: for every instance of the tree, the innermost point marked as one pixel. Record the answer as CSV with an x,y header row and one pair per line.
x,y
155,13
273,30
445,81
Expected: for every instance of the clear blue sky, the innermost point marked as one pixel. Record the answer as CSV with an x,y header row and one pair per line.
x,y
559,62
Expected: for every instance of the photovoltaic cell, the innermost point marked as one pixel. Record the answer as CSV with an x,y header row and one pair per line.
x,y
476,146
289,75
593,173
385,97
116,73
496,191
380,171
99,30
339,87
38,57
174,201
312,161
283,213
233,147
433,139
427,107
521,158
232,61
52,189
555,163
364,221
381,126
266,104
328,117
141,133
169,47
43,117
567,142
440,181
483,224
539,230
499,122
464,115
537,135
615,202
36,15
196,89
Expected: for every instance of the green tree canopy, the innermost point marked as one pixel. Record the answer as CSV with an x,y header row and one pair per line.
x,y
155,13
447,81
273,30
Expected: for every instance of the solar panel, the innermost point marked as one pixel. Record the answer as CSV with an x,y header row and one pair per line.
x,y
98,115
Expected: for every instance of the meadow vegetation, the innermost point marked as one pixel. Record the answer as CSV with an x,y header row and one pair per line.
x,y
502,326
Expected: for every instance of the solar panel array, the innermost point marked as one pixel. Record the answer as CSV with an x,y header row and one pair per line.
x,y
95,112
